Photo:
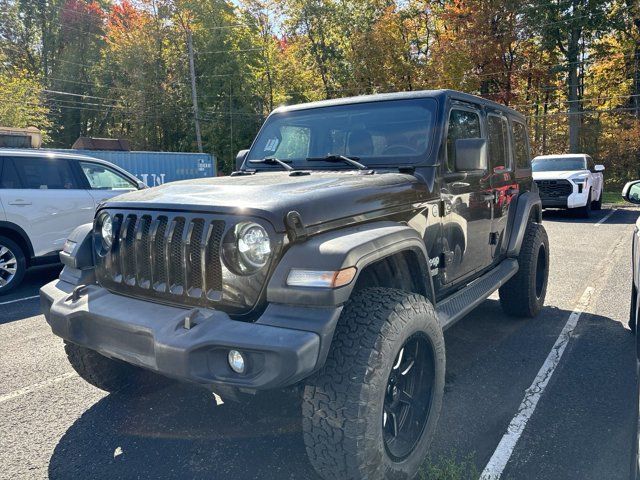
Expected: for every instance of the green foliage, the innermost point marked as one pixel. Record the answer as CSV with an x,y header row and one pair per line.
x,y
123,67
21,103
449,467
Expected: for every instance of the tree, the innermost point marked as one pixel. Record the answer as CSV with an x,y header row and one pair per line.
x,y
21,101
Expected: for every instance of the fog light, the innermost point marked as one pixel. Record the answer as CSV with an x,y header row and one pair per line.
x,y
236,361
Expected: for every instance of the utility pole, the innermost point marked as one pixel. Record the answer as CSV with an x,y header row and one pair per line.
x,y
194,95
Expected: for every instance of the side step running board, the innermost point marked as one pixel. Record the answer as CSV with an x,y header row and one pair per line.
x,y
453,308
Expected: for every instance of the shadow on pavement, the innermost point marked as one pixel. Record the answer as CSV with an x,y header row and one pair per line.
x,y
624,215
180,432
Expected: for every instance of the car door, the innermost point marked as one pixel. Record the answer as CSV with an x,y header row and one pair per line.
x,y
103,182
597,179
43,197
466,197
502,179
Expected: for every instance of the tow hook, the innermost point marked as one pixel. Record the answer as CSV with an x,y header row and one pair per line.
x,y
189,318
75,295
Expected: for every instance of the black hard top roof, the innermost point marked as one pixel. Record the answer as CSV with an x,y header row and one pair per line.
x,y
437,94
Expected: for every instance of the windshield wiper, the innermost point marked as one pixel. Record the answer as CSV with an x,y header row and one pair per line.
x,y
273,161
339,158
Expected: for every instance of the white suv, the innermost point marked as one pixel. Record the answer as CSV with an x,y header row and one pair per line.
x,y
569,181
43,197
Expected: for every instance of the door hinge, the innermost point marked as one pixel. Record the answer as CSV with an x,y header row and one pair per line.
x,y
493,238
446,258
441,211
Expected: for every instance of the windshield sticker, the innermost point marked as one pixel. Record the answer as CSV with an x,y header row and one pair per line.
x,y
272,145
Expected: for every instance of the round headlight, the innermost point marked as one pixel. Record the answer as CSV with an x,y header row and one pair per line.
x,y
254,247
106,230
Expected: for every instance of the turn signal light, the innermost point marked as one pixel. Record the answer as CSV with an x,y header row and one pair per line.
x,y
321,278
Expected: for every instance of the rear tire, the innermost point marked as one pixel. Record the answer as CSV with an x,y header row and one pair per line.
x,y
108,374
523,295
371,411
13,265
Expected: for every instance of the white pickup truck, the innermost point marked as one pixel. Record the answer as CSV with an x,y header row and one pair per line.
x,y
570,181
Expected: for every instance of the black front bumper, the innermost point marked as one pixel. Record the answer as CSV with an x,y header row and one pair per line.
x,y
554,202
283,346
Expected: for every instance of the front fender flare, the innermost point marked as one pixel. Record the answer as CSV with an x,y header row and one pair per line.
x,y
528,205
356,246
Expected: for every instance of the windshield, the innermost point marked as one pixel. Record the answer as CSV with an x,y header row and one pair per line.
x,y
396,132
558,164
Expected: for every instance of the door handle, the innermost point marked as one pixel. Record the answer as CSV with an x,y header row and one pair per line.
x,y
19,201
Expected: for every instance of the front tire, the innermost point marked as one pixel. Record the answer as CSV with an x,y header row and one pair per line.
x,y
105,373
523,295
371,411
13,265
585,212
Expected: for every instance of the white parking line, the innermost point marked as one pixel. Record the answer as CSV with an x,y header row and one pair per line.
x,y
502,454
36,386
19,300
605,218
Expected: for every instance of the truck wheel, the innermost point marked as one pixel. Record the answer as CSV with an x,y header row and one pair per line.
x,y
13,264
585,212
634,309
597,204
106,373
523,295
371,411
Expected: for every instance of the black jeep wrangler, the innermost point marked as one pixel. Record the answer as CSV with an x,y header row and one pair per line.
x,y
353,233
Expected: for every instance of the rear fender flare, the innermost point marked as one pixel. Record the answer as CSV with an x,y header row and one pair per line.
x,y
357,246
528,207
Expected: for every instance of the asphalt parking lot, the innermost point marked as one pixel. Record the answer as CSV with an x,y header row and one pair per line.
x,y
53,424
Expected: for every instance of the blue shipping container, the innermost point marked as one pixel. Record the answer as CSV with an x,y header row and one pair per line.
x,y
156,168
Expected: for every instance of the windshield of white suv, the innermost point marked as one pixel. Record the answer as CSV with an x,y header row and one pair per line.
x,y
558,164
387,133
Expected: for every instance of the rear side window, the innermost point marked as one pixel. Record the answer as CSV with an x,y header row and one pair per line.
x,y
45,173
9,178
498,142
104,178
462,124
520,150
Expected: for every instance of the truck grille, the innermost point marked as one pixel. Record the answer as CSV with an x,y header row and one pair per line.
x,y
554,188
171,256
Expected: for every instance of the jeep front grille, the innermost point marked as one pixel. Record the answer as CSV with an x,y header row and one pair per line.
x,y
171,256
554,188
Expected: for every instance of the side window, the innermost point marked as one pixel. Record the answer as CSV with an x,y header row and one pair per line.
x,y
43,173
104,178
9,177
498,142
520,150
590,163
462,124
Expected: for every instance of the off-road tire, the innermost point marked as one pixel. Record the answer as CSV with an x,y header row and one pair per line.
x,y
597,204
109,374
21,264
343,403
585,212
523,295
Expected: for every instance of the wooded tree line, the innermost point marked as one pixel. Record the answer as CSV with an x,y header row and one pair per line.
x,y
121,69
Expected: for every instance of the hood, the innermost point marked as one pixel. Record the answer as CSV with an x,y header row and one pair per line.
x,y
561,175
318,197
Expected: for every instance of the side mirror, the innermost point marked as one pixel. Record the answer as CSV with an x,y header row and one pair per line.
x,y
471,154
242,154
598,168
631,192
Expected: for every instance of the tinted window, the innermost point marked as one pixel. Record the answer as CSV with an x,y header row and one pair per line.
x,y
557,164
378,133
520,150
498,142
104,178
45,173
462,124
9,177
